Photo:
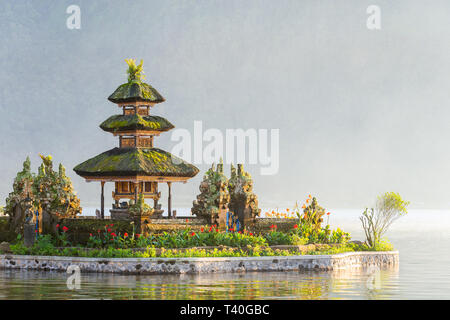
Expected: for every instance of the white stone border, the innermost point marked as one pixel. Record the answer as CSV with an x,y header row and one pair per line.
x,y
341,261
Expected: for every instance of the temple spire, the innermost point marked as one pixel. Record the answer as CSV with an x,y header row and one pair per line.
x,y
135,72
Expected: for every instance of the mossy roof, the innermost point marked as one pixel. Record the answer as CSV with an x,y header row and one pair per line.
x,y
136,161
136,91
119,123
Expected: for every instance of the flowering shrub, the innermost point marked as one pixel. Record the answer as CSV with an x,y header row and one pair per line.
x,y
312,214
109,237
208,236
282,238
288,214
61,236
339,236
309,226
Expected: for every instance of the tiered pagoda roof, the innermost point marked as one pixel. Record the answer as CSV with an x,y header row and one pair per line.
x,y
136,91
136,158
136,162
120,123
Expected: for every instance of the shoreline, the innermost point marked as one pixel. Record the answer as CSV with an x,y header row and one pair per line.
x,y
148,266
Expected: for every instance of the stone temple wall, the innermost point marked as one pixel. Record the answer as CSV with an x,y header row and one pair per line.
x,y
338,262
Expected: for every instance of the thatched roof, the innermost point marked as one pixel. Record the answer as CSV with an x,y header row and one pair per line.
x,y
135,91
119,123
135,161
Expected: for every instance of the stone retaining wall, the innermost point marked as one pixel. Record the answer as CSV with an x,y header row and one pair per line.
x,y
340,261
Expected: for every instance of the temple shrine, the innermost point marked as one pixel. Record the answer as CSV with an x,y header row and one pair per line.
x,y
135,167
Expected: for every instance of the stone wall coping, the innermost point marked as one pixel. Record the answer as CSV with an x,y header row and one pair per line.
x,y
198,259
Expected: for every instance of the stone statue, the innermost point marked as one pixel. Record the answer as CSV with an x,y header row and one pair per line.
x,y
15,203
212,202
218,195
49,192
243,202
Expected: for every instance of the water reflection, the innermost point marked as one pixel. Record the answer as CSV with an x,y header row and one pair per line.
x,y
350,284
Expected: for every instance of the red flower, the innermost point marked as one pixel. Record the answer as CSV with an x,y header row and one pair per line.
x,y
210,229
111,225
57,226
295,226
187,220
202,229
65,229
138,235
250,233
239,231
113,234
125,235
109,230
328,213
193,234
272,226
98,231
90,234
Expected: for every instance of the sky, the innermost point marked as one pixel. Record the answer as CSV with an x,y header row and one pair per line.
x,y
359,112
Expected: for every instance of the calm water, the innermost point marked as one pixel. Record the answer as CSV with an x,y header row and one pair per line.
x,y
423,239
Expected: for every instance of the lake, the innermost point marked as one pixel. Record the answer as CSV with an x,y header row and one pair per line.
x,y
422,237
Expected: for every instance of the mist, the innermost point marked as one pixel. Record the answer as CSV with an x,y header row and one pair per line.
x,y
359,112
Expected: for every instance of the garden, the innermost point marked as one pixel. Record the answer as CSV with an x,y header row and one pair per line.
x,y
307,233
59,231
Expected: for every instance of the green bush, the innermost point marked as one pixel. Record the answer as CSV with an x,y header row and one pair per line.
x,y
376,221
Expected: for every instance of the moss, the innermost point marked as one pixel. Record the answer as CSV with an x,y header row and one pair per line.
x,y
136,161
135,91
118,123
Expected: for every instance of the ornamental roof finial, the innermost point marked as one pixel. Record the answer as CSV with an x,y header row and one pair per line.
x,y
135,72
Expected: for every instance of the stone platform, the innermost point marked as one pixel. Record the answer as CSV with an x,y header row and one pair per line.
x,y
342,261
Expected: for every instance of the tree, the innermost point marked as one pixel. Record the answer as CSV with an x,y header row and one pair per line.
x,y
376,221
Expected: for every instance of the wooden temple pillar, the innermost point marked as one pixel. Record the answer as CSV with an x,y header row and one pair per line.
x,y
169,200
102,200
136,187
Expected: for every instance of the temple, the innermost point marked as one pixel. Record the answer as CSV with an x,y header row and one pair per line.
x,y
136,167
